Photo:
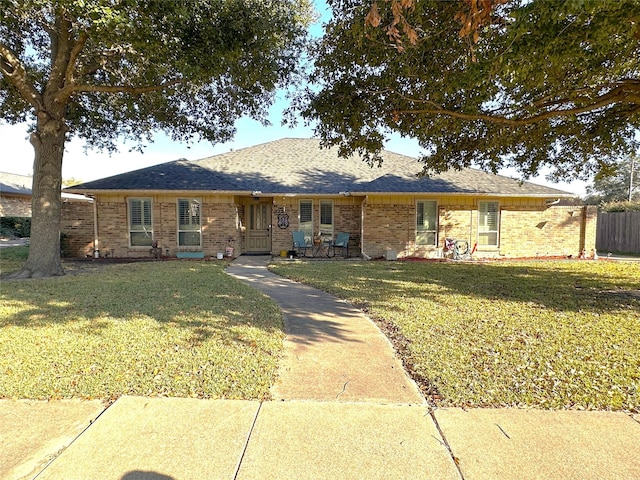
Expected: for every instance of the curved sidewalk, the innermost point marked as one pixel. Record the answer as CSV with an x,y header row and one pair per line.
x,y
332,350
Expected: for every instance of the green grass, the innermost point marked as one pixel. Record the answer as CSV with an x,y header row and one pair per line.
x,y
159,329
537,334
12,258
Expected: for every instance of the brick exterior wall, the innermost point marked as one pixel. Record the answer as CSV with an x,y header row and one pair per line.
x,y
76,226
346,218
15,206
528,227
281,238
220,227
388,227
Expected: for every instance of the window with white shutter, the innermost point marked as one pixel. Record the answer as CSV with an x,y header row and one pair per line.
x,y
306,218
189,222
488,223
140,222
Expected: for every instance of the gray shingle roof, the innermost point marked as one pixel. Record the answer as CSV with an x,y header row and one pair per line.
x,y
301,166
15,184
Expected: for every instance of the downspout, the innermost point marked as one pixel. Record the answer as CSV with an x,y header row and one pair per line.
x,y
633,165
471,227
96,251
583,233
362,205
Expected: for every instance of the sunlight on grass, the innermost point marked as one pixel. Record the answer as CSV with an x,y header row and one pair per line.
x,y
544,334
159,329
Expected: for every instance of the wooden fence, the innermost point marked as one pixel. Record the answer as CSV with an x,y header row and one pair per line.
x,y
618,232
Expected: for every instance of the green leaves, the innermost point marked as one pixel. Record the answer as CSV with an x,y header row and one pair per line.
x,y
132,68
547,84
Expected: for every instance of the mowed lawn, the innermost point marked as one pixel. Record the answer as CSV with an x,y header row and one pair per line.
x,y
181,329
557,335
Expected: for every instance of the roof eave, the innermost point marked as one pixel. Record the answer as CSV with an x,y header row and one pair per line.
x,y
473,194
309,194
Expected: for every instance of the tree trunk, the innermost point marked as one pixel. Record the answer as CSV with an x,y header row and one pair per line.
x,y
46,204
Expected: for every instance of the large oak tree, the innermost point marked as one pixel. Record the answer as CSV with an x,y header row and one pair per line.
x,y
493,83
108,70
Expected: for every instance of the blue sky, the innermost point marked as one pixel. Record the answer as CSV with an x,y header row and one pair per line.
x,y
17,152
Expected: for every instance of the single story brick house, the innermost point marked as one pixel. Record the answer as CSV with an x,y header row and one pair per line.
x,y
15,195
250,200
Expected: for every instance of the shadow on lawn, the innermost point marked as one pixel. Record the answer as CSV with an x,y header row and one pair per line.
x,y
558,286
199,297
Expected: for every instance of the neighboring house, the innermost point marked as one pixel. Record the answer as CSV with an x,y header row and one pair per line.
x,y
15,195
250,200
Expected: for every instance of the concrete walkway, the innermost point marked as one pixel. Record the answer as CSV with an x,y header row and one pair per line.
x,y
350,413
332,351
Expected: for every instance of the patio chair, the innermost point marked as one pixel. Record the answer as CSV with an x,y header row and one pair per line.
x,y
342,241
300,244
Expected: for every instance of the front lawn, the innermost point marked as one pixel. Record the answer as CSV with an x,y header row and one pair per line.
x,y
537,334
12,258
177,328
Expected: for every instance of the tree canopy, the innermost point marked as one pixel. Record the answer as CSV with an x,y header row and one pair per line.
x,y
621,183
527,84
105,71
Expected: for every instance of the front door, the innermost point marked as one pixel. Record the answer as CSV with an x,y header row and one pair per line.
x,y
259,227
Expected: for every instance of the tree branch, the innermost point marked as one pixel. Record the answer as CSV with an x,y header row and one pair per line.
x,y
14,71
73,58
617,95
60,48
126,88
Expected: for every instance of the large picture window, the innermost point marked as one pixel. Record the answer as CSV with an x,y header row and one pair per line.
x,y
189,222
306,219
140,222
426,222
488,223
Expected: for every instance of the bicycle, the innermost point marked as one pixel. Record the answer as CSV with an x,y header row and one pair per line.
x,y
458,249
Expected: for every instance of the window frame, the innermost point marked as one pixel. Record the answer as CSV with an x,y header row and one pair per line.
x,y
483,230
326,229
423,230
146,228
183,232
306,227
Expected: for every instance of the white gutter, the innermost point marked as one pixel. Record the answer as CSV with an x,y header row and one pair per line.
x,y
470,194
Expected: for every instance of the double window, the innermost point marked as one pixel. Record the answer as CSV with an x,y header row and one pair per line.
x,y
189,222
140,222
306,218
426,222
488,223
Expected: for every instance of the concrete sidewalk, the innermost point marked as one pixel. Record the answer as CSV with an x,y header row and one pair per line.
x,y
169,438
350,413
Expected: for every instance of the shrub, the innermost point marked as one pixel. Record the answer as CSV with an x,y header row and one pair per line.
x,y
15,226
621,207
